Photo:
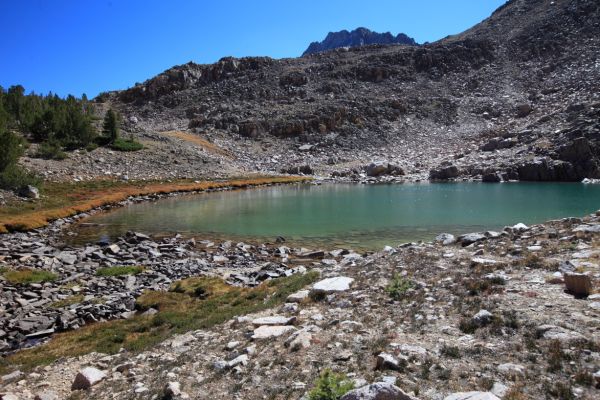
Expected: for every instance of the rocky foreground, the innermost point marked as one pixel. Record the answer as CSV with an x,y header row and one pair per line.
x,y
510,315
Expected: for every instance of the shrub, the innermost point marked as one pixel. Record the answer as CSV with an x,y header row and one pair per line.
x,y
120,270
14,177
91,147
467,325
330,386
50,150
121,144
398,288
450,351
556,356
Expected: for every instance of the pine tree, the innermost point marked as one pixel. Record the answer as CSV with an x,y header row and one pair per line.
x,y
110,127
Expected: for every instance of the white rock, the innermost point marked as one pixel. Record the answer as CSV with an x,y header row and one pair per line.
x,y
173,389
87,377
445,239
239,360
330,285
387,361
274,320
267,331
520,227
232,345
299,340
298,297
499,389
512,370
220,259
48,395
472,396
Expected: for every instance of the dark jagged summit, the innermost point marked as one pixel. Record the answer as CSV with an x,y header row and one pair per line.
x,y
356,38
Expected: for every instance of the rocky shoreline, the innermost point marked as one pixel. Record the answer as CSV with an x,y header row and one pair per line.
x,y
483,312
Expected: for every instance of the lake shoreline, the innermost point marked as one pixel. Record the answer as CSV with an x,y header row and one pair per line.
x,y
506,254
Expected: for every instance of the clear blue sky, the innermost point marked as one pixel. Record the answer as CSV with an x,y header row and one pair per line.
x,y
89,46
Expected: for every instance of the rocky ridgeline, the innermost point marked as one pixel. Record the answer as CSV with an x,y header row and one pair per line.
x,y
356,38
77,294
488,315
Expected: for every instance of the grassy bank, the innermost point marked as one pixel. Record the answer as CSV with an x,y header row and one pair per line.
x,y
195,303
61,200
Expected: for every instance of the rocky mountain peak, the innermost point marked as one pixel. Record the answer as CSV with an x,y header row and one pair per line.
x,y
358,37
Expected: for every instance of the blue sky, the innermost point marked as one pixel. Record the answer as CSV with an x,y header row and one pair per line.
x,y
89,46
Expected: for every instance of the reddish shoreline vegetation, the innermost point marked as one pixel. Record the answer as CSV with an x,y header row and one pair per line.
x,y
65,200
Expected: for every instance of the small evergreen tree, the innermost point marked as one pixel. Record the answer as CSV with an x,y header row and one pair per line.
x,y
13,147
110,128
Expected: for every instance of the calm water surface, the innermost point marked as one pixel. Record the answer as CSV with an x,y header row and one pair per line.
x,y
356,216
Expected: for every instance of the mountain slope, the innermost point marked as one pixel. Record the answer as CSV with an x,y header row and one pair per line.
x,y
356,38
526,77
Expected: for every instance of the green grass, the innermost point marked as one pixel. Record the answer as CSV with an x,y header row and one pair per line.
x,y
177,313
26,275
126,145
120,270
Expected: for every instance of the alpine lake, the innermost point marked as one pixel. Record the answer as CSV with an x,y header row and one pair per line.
x,y
365,217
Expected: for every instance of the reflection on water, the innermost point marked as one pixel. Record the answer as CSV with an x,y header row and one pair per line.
x,y
356,216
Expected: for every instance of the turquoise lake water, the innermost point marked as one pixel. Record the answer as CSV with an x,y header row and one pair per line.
x,y
345,215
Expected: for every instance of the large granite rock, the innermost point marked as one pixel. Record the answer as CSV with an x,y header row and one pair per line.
x,y
578,284
87,377
444,173
378,391
330,285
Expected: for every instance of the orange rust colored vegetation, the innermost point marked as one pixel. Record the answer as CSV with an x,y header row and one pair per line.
x,y
197,140
86,201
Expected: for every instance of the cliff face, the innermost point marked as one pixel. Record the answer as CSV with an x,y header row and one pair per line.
x,y
356,38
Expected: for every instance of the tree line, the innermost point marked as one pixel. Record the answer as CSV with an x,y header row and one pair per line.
x,y
56,124
66,122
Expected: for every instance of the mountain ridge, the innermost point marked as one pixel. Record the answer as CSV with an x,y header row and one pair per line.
x,y
356,38
524,79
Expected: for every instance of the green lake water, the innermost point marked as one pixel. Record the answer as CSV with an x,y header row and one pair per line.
x,y
345,215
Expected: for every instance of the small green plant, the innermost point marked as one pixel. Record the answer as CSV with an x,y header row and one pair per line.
x,y
398,287
330,386
130,144
26,275
120,270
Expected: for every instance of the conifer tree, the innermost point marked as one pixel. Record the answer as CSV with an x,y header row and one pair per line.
x,y
110,127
